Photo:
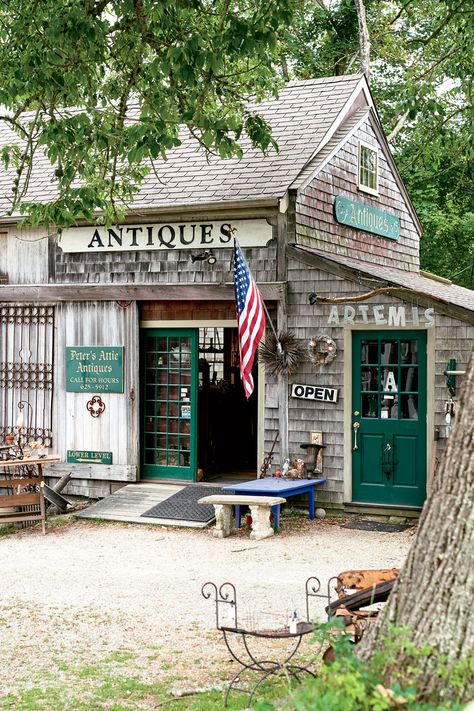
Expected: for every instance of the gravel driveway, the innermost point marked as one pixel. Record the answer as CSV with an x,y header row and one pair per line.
x,y
86,591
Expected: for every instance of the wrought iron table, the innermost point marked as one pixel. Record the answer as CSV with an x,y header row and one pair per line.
x,y
276,486
251,663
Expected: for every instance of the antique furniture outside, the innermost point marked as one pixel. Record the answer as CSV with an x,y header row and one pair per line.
x,y
241,641
312,453
23,478
275,486
259,508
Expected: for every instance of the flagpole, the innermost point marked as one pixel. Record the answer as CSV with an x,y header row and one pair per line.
x,y
272,326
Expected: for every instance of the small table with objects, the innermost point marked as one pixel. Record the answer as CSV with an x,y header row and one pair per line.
x,y
276,486
22,488
244,642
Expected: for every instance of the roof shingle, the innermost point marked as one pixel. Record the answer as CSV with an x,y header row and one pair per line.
x,y
300,118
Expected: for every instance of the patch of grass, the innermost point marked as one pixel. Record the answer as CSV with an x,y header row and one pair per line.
x,y
120,657
61,520
7,529
112,684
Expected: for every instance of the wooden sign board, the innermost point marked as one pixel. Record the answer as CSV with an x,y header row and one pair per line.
x,y
94,369
87,457
166,236
314,392
366,218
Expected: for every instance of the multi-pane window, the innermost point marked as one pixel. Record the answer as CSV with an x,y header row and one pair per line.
x,y
389,379
368,168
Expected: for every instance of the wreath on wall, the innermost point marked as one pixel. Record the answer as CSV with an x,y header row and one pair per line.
x,y
322,350
282,354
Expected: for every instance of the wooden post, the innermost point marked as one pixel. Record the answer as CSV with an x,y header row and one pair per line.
x,y
282,324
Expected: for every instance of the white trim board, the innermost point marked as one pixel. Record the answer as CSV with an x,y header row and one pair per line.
x,y
189,323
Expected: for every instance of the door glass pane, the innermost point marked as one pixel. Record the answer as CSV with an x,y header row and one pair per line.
x,y
389,352
409,352
409,379
369,379
389,407
390,380
369,405
173,409
369,352
409,407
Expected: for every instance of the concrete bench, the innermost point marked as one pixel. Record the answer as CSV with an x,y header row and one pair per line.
x,y
260,507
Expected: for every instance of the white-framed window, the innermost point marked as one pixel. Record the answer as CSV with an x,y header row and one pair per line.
x,y
368,168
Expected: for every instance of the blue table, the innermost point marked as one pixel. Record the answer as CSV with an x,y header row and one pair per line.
x,y
275,486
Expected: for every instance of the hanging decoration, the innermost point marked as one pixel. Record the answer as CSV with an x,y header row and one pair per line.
x,y
322,350
95,406
282,353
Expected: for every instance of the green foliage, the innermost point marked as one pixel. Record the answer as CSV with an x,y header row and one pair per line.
x,y
422,80
7,529
354,685
134,73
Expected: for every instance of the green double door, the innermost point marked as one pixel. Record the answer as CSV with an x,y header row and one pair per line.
x,y
169,376
388,433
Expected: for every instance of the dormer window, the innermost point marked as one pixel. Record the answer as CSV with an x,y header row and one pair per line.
x,y
368,169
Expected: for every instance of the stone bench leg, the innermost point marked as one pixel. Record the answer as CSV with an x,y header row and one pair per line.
x,y
223,520
261,527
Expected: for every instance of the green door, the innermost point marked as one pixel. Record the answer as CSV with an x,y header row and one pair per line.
x,y
389,417
169,403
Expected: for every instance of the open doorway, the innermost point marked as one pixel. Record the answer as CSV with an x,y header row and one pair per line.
x,y
227,430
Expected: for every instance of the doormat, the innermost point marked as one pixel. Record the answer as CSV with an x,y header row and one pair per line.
x,y
183,506
377,526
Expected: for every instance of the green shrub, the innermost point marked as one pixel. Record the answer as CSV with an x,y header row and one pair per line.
x,y
351,684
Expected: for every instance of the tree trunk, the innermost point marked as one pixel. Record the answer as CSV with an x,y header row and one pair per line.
x,y
364,42
434,594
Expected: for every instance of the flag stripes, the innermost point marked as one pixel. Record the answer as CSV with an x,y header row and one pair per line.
x,y
250,317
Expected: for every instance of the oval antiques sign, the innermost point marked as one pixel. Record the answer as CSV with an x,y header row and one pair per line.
x,y
366,218
166,236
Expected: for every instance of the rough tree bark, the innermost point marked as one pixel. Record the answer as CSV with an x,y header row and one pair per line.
x,y
364,41
434,595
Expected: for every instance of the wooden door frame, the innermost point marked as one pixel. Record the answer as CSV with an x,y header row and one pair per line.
x,y
347,389
223,323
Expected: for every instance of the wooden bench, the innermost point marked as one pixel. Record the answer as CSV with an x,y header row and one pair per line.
x,y
260,508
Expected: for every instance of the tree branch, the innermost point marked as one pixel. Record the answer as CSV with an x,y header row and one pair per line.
x,y
364,41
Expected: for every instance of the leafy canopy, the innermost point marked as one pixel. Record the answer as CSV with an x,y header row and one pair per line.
x,y
423,83
134,71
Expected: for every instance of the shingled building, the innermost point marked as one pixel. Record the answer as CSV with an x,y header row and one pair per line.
x,y
124,340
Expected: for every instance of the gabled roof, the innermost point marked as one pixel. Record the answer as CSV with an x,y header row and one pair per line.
x,y
303,118
456,299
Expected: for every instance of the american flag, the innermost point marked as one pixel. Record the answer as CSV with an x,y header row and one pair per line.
x,y
250,317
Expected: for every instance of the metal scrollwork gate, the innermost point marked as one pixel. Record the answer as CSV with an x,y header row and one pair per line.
x,y
26,370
